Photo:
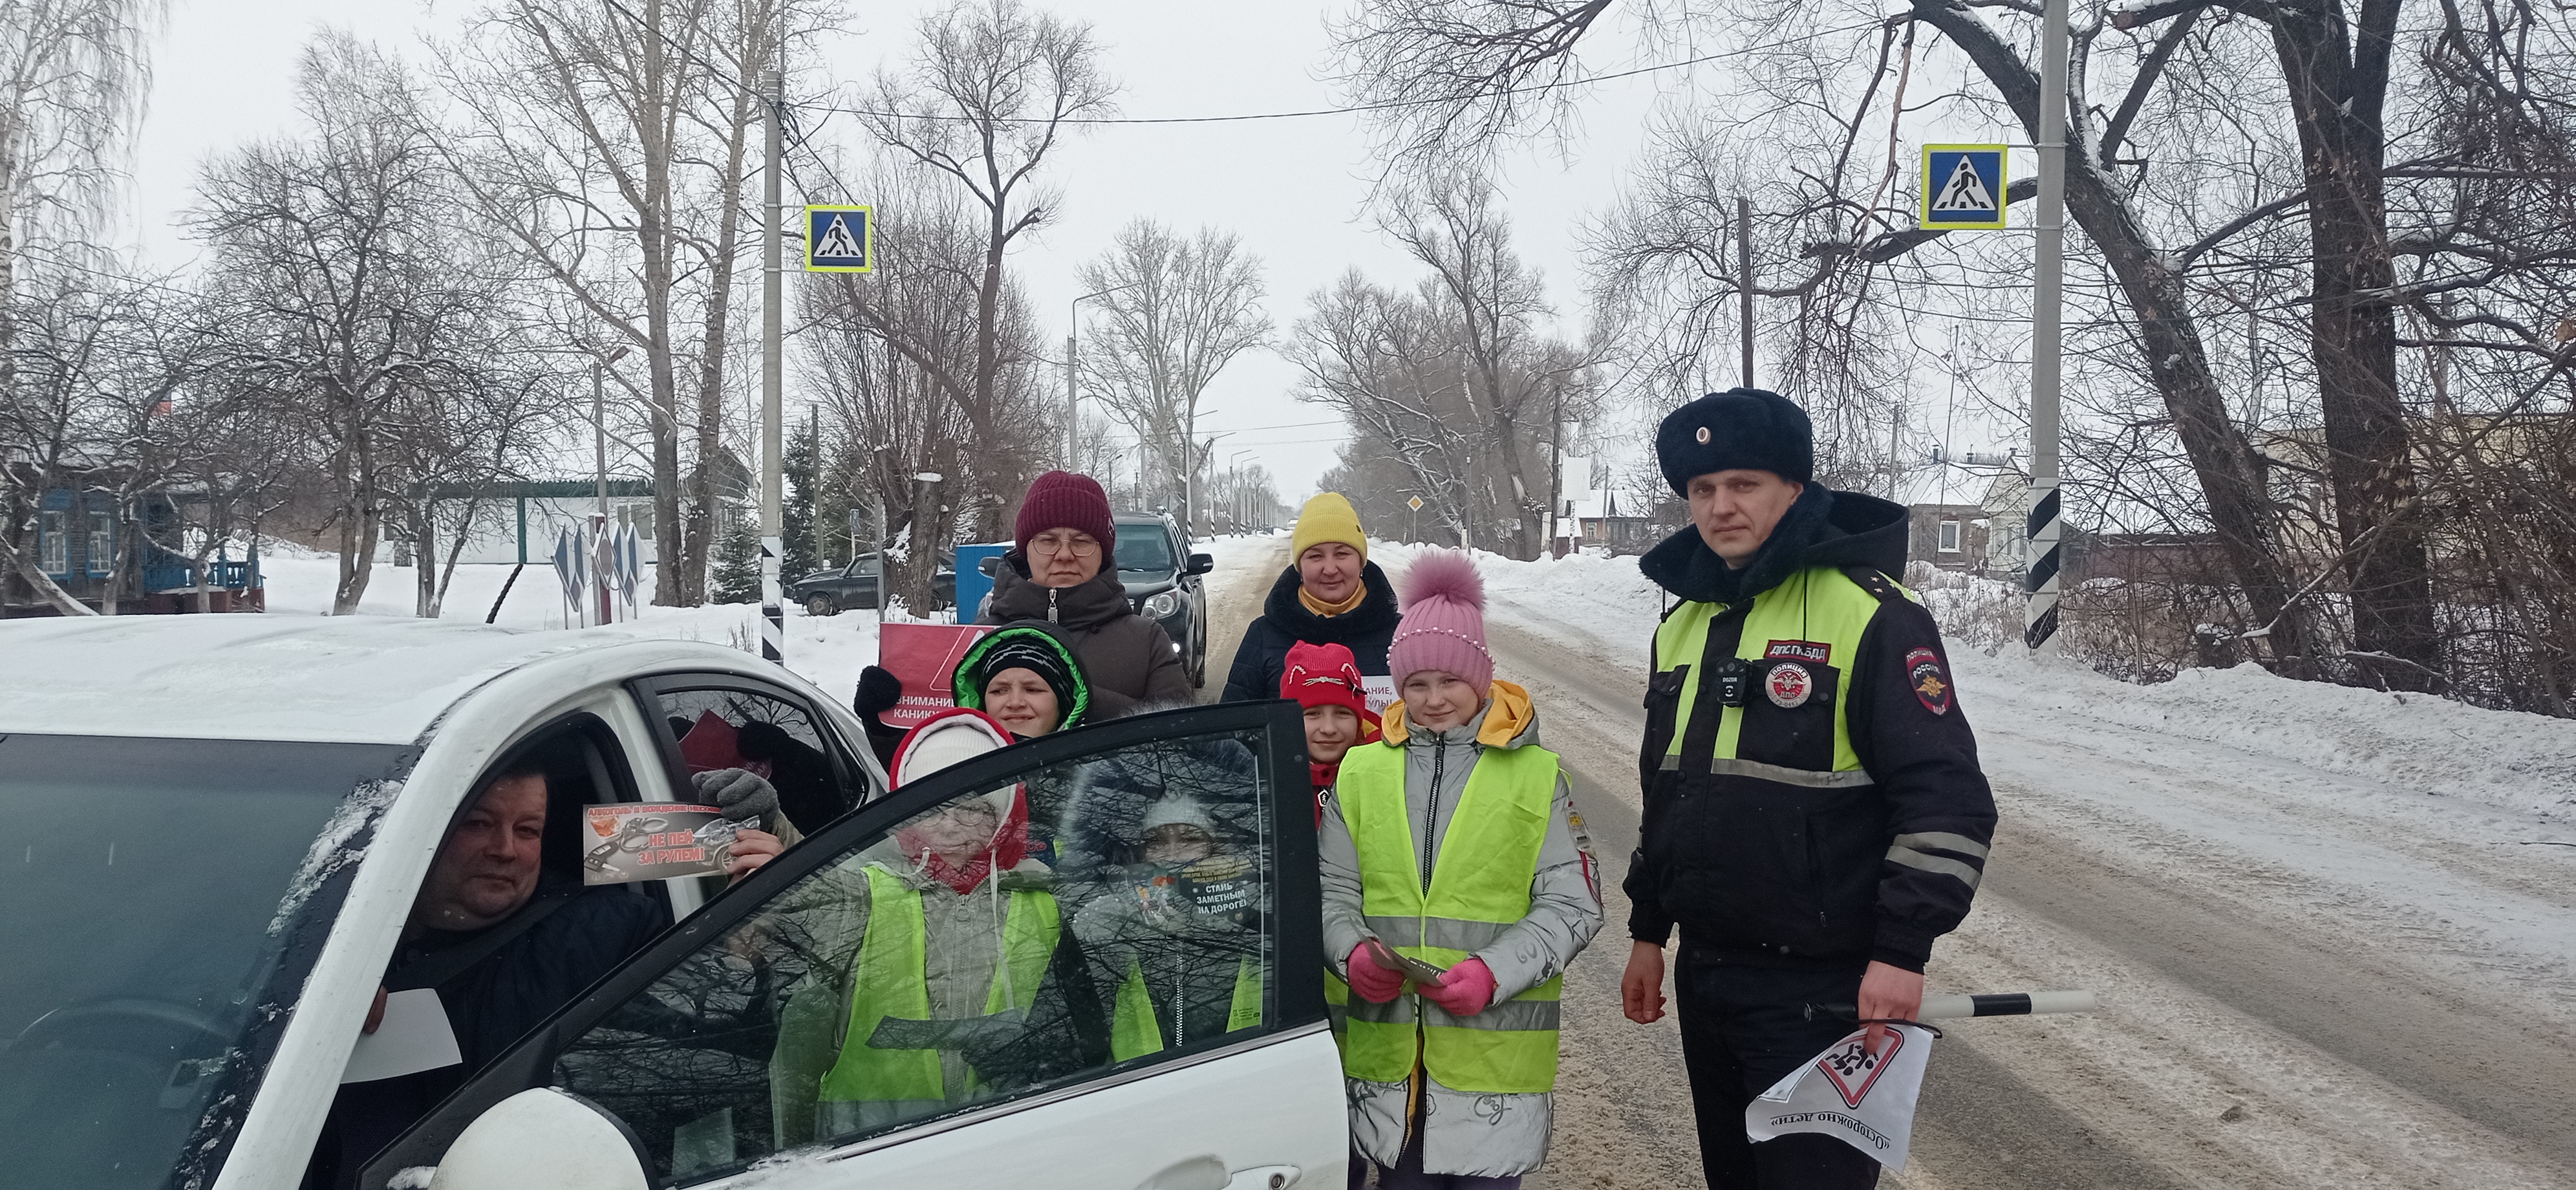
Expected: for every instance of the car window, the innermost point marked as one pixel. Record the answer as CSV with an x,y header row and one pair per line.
x,y
870,993
1144,549
731,726
165,902
863,568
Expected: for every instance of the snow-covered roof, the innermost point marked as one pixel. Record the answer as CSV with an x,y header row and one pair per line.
x,y
348,679
1596,504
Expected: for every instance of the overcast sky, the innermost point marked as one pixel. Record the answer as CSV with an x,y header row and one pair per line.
x,y
1292,189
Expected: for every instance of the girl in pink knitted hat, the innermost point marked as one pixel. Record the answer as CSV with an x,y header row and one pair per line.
x,y
1457,887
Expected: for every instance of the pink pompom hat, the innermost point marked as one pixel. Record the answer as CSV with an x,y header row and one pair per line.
x,y
1444,621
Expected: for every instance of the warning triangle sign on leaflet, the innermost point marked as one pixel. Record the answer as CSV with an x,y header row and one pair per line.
x,y
1963,186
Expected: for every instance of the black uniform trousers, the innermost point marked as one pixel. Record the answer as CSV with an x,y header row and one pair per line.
x,y
1743,1029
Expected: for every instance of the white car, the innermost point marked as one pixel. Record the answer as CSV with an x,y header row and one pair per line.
x,y
221,822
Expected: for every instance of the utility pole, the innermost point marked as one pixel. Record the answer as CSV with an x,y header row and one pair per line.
x,y
1556,468
599,458
2039,630
1072,375
773,620
1744,280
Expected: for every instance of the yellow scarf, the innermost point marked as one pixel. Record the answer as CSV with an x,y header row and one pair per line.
x,y
1359,592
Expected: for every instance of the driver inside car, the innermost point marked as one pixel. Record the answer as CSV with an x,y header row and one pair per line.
x,y
505,942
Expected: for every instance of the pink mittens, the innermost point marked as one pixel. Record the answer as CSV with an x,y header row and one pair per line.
x,y
1464,991
1374,983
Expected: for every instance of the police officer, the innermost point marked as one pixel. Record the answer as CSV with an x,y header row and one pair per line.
x,y
1814,813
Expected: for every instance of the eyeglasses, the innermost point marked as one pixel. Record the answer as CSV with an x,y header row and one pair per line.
x,y
1078,546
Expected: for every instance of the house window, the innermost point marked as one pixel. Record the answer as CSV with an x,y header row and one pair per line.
x,y
1949,537
54,542
102,543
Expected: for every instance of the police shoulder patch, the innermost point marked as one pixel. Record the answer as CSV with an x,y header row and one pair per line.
x,y
1931,681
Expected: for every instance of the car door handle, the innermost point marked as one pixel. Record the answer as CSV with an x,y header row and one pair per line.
x,y
1264,1177
1203,1172
1207,1172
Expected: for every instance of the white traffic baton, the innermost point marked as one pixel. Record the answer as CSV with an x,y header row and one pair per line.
x,y
1958,1007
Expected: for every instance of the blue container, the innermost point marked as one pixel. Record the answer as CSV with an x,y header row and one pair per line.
x,y
973,585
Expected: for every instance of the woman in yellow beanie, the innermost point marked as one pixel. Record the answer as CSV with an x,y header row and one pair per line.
x,y
1331,595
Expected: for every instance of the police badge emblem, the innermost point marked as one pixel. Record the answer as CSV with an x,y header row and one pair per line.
x,y
1789,685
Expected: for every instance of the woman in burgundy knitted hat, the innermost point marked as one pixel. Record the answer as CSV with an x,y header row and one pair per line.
x,y
1060,570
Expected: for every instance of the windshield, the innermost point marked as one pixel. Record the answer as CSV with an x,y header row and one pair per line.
x,y
166,898
1144,548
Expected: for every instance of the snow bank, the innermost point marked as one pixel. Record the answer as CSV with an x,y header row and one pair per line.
x,y
2506,760
827,650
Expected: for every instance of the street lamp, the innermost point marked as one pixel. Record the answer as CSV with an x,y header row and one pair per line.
x,y
1072,388
1237,481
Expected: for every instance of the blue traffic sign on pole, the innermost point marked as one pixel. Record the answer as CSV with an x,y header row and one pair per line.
x,y
840,239
1963,186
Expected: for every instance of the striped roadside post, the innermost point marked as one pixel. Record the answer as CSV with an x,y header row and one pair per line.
x,y
2039,630
773,618
2039,627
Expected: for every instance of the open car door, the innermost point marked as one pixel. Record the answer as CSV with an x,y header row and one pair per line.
x,y
1104,1015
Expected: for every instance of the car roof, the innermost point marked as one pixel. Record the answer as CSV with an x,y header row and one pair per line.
x,y
341,679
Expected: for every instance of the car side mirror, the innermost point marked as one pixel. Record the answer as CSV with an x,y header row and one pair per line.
x,y
544,1137
1201,563
989,564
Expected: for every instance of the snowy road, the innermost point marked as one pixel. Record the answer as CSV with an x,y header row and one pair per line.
x,y
2327,956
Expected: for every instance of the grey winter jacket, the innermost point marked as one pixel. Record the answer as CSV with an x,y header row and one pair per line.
x,y
1465,1133
1129,658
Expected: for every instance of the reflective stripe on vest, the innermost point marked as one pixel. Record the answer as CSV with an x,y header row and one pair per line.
x,y
891,979
1817,605
1480,885
1135,1032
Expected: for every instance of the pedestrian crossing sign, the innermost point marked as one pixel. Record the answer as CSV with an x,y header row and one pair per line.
x,y
1963,186
840,239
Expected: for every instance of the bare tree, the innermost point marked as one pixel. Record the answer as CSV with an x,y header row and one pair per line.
x,y
1173,314
72,78
1811,92
2278,202
614,146
1461,404
1512,381
348,295
980,103
889,418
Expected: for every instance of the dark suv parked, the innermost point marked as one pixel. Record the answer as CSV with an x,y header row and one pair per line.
x,y
828,592
1162,578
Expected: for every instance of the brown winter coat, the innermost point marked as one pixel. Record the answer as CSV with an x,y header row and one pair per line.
x,y
1129,659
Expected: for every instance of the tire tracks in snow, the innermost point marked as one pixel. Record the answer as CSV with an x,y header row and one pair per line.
x,y
1632,1125
2236,1047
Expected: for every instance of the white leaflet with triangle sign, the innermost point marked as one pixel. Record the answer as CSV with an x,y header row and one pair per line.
x,y
1863,1099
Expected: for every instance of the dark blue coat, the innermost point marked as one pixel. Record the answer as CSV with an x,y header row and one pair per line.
x,y
1262,659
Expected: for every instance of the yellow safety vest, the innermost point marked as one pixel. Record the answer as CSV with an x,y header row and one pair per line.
x,y
1134,1032
1480,886
891,980
1798,641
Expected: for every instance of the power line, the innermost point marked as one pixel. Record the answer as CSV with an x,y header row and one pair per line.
x,y
1390,105
796,138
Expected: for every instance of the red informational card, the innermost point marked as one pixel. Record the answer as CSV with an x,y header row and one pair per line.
x,y
633,841
923,656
